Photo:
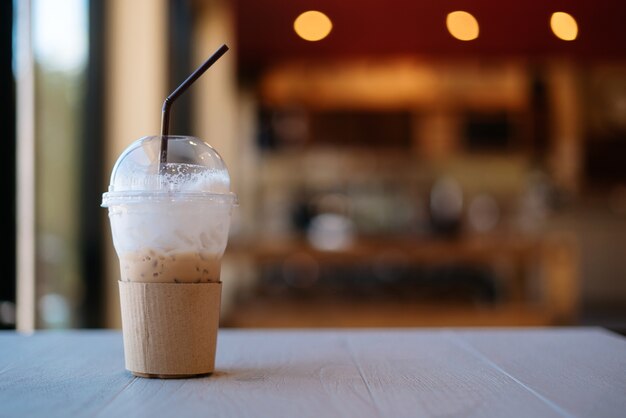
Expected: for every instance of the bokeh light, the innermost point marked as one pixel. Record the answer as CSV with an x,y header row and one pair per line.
x,y
312,25
564,26
462,25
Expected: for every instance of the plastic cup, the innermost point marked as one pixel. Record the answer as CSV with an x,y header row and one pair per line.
x,y
170,229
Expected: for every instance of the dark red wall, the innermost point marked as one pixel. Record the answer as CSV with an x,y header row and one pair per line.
x,y
375,27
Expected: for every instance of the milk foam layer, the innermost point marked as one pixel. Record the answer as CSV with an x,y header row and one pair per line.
x,y
167,226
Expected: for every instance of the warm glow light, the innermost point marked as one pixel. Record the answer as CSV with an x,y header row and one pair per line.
x,y
564,26
312,25
462,25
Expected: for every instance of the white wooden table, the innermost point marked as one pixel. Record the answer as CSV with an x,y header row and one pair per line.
x,y
395,373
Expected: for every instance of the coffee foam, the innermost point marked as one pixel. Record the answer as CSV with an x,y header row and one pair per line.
x,y
177,177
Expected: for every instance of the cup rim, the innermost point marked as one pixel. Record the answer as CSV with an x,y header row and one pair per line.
x,y
135,197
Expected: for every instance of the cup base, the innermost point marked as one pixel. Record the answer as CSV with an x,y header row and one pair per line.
x,y
170,376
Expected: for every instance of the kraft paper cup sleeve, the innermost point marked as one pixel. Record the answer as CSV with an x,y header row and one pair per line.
x,y
170,329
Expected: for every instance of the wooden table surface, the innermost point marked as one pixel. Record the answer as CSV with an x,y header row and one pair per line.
x,y
561,372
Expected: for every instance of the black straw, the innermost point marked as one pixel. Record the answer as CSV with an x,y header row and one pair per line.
x,y
169,100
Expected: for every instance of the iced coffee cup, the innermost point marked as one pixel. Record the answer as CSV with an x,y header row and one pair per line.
x,y
170,223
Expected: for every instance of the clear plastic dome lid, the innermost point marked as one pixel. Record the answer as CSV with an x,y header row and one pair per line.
x,y
194,171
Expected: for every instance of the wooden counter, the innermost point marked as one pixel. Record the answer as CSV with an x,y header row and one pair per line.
x,y
535,373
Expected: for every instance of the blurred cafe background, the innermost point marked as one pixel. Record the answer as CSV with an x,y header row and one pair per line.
x,y
398,163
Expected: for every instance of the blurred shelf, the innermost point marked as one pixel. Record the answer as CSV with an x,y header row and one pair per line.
x,y
540,286
276,313
422,250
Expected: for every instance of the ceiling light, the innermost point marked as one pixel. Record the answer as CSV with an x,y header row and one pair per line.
x,y
564,26
462,25
312,25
